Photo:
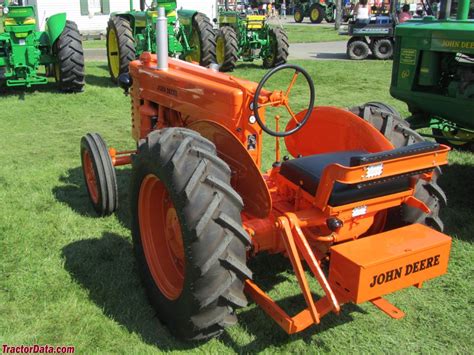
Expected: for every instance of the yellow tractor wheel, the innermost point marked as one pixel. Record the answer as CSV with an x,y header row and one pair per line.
x,y
120,46
202,42
227,49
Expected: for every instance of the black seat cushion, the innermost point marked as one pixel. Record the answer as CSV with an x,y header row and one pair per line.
x,y
306,172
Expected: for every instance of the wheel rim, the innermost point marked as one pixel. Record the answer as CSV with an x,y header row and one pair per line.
x,y
220,50
161,237
57,72
91,179
458,133
113,53
314,14
195,55
384,49
297,16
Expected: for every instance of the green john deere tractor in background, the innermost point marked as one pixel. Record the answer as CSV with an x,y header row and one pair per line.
x,y
248,37
190,34
433,73
316,10
24,49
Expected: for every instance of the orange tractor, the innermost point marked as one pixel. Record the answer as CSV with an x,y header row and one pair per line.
x,y
357,205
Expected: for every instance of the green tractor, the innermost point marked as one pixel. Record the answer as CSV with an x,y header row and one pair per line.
x,y
433,73
316,10
24,49
190,34
248,37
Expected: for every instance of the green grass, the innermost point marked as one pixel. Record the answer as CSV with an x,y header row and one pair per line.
x,y
94,44
67,277
312,34
296,34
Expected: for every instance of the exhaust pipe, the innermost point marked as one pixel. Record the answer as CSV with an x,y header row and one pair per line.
x,y
162,40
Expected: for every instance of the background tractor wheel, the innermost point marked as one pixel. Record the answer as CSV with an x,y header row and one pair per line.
x,y
455,133
383,48
331,13
279,49
227,48
316,13
187,233
357,49
203,40
69,69
120,46
99,174
399,133
298,15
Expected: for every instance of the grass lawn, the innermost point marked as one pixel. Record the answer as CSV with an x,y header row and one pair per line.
x,y
296,34
312,34
67,277
94,43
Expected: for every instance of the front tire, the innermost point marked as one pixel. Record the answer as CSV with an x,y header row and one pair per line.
x,y
179,184
120,46
99,174
399,133
279,49
227,49
69,70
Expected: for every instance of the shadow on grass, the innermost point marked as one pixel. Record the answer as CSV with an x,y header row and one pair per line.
x,y
268,333
23,92
106,268
457,183
73,192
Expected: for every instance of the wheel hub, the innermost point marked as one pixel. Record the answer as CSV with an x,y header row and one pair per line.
x,y
161,237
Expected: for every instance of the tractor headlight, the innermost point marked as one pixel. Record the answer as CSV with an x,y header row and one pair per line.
x,y
5,10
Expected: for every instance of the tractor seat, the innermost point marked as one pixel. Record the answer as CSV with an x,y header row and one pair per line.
x,y
307,172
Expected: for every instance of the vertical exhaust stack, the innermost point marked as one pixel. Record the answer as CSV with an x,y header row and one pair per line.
x,y
162,40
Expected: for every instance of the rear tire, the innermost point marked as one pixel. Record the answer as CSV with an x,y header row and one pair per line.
x,y
279,49
298,15
203,40
383,49
316,13
120,46
68,50
357,49
227,49
213,240
99,174
399,133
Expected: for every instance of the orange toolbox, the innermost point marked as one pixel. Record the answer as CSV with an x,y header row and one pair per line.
x,y
370,267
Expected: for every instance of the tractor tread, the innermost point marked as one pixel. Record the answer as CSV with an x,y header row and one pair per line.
x,y
198,183
224,188
207,37
126,44
229,223
70,54
280,50
387,120
105,174
231,48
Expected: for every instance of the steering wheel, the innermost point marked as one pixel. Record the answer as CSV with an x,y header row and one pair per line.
x,y
278,98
